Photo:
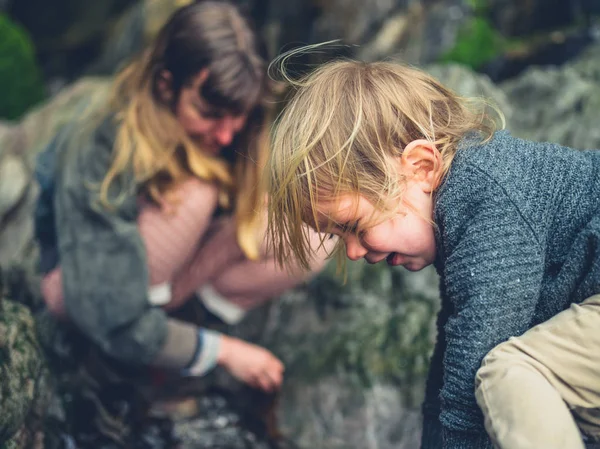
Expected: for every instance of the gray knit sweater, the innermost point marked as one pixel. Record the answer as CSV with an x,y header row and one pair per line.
x,y
518,241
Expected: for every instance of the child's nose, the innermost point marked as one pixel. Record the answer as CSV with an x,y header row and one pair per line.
x,y
354,250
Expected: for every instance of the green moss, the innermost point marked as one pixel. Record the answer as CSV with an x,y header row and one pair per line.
x,y
382,331
21,83
477,43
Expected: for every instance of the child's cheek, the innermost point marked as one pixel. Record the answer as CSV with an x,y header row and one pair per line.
x,y
374,240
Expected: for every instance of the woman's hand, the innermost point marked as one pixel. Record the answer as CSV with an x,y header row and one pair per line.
x,y
251,364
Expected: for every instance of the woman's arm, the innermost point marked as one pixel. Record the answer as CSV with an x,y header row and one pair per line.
x,y
104,265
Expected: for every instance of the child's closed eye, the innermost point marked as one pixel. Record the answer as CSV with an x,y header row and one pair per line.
x,y
349,228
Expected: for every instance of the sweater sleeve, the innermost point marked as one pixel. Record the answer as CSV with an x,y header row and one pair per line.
x,y
432,429
491,273
104,267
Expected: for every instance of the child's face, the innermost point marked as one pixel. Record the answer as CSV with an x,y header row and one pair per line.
x,y
407,238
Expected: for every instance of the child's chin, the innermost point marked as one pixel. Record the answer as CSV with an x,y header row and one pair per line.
x,y
415,266
395,259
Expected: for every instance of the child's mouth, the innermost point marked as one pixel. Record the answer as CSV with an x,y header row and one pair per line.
x,y
392,259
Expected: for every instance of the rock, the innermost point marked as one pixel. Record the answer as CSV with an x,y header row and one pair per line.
x,y
372,31
518,18
548,50
14,180
558,104
418,31
156,13
67,33
19,147
441,25
588,65
16,233
217,426
41,124
24,378
134,28
467,83
98,403
356,355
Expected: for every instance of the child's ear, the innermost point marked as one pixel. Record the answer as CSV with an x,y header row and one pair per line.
x,y
422,162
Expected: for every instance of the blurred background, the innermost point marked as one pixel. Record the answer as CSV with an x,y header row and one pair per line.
x,y
46,44
356,352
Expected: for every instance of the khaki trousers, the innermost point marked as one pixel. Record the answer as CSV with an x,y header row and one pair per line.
x,y
542,390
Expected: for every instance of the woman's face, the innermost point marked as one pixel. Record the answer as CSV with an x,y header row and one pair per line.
x,y
212,129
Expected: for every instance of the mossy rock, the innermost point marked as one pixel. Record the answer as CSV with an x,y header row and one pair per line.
x,y
356,352
477,43
20,80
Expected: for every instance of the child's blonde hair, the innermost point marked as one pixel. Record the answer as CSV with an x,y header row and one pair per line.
x,y
337,134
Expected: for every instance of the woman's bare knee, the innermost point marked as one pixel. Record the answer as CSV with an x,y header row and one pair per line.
x,y
193,192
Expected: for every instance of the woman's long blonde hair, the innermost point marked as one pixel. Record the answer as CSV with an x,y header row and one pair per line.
x,y
150,141
337,136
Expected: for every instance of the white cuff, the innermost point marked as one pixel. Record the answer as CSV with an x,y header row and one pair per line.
x,y
209,344
219,305
160,294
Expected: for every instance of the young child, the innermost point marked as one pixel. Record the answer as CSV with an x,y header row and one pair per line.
x,y
405,171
